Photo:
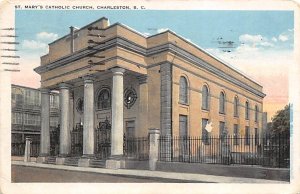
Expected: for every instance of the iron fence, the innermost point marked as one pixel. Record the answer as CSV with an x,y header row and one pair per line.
x,y
102,143
272,151
77,141
18,149
136,148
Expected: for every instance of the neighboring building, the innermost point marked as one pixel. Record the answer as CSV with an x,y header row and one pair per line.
x,y
138,82
26,113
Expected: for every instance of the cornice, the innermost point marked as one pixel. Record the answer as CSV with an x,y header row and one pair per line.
x,y
168,47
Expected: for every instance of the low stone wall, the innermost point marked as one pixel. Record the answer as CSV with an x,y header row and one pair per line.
x,y
21,158
135,164
223,170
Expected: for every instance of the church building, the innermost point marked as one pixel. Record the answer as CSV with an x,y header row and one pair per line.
x,y
133,82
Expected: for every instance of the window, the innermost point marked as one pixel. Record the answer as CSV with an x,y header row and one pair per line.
x,y
130,97
37,98
247,135
80,105
182,125
247,110
235,134
256,113
236,107
54,101
205,133
256,136
183,132
16,118
205,98
183,90
222,103
221,129
130,129
103,101
30,119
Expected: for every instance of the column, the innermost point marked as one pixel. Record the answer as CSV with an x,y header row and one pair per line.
x,y
117,112
88,117
71,111
153,148
27,149
45,125
117,120
64,136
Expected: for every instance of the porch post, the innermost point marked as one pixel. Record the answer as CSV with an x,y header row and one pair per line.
x,y
64,136
45,125
153,148
88,121
115,161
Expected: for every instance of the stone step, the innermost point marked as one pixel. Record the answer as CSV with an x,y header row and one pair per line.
x,y
72,161
50,160
95,163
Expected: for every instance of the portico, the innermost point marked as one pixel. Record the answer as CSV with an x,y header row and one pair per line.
x,y
89,106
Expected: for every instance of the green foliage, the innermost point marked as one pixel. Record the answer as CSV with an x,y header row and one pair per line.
x,y
281,121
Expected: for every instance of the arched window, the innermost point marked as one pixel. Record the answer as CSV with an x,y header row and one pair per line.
x,y
205,98
103,99
247,110
183,90
236,107
222,103
256,113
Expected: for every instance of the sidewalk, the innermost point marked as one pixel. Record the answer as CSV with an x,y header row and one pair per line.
x,y
151,174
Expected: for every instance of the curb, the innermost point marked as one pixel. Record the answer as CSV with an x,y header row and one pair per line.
x,y
181,177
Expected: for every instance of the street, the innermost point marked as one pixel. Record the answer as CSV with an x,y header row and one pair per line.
x,y
32,174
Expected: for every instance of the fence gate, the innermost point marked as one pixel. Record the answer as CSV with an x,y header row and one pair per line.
x,y
77,140
102,140
54,141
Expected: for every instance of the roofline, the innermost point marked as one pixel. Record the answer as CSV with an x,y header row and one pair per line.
x,y
26,87
177,35
210,54
77,29
15,85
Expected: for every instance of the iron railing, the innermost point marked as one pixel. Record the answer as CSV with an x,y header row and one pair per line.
x,y
136,148
272,151
102,143
18,149
77,141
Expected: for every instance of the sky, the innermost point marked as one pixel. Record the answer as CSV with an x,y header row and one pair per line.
x,y
258,43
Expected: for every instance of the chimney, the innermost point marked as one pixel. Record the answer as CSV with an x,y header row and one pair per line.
x,y
72,39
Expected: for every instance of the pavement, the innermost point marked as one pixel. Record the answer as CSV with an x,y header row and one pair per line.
x,y
147,174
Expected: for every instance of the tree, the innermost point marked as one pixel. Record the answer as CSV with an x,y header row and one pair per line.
x,y
281,121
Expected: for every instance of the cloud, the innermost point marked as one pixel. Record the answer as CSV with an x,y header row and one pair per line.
x,y
33,45
267,44
247,38
274,39
255,40
39,46
288,35
283,38
46,36
162,30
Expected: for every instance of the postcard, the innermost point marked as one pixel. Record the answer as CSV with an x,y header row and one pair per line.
x,y
149,97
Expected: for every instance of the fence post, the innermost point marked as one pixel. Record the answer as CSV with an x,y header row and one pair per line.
x,y
27,150
153,148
